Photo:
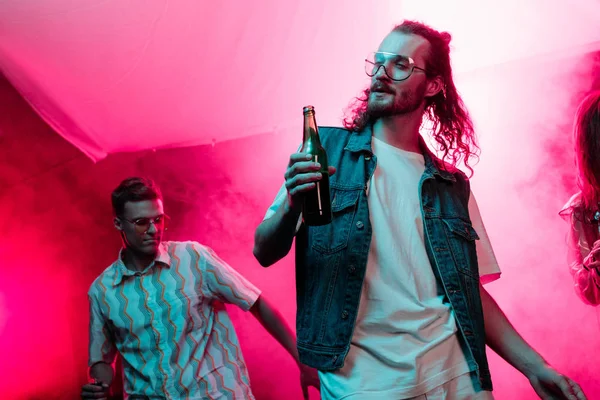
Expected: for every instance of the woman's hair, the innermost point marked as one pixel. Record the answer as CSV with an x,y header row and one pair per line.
x,y
586,135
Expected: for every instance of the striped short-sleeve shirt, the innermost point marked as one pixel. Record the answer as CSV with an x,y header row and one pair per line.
x,y
170,326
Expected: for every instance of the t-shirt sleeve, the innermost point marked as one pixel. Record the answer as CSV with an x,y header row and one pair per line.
x,y
489,270
278,202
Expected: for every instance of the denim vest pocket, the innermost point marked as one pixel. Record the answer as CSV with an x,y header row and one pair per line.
x,y
333,237
461,237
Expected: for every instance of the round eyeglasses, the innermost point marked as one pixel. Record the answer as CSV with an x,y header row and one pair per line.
x,y
143,224
397,67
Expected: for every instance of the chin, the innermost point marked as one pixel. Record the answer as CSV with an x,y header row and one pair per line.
x,y
379,110
149,249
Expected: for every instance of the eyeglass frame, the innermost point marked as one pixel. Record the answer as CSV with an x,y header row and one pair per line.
x,y
376,67
151,221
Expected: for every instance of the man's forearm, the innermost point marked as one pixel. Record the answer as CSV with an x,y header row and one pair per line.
x,y
102,372
502,337
274,236
276,325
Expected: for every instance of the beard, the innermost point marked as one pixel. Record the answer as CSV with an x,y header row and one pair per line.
x,y
393,102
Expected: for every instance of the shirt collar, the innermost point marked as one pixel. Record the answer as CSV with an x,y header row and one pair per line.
x,y
122,272
361,141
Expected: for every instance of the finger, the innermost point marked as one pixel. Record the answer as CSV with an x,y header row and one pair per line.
x,y
301,168
92,388
577,390
304,391
301,179
301,189
93,395
565,388
296,157
332,170
101,395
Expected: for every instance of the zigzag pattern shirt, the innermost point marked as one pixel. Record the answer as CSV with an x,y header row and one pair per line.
x,y
170,325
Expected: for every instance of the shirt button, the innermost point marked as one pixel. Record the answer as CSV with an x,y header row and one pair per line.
x,y
352,269
344,314
360,225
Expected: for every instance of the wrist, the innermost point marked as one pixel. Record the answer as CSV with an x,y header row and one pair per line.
x,y
533,367
290,210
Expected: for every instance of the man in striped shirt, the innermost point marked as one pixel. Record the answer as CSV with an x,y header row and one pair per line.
x,y
160,305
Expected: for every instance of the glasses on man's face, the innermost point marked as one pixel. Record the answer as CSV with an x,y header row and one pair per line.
x,y
396,67
143,224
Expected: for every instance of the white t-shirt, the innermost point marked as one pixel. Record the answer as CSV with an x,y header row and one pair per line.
x,y
404,342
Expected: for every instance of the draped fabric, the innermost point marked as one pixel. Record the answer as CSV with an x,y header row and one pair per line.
x,y
112,75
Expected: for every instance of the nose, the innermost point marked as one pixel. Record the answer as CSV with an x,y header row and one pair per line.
x,y
381,73
152,228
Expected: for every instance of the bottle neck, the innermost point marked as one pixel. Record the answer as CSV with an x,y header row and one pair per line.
x,y
311,132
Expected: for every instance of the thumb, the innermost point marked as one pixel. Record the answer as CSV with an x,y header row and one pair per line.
x,y
332,170
304,389
305,392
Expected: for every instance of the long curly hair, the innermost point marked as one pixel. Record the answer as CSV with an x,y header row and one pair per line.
x,y
450,123
586,140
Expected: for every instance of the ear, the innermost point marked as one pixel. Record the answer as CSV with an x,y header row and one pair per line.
x,y
118,224
434,86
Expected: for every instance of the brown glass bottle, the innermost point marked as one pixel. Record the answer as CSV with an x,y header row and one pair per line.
x,y
316,205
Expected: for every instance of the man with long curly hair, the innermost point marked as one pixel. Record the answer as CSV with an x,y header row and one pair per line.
x,y
390,302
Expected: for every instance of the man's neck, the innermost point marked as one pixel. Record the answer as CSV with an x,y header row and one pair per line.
x,y
136,261
400,131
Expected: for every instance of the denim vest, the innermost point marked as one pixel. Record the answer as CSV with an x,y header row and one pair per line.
x,y
331,260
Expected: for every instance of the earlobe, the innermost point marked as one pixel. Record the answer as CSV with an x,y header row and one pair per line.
x,y
434,87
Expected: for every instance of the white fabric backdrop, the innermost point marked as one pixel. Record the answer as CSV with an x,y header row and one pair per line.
x,y
118,75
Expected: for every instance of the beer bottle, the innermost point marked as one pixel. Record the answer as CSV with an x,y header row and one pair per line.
x,y
316,205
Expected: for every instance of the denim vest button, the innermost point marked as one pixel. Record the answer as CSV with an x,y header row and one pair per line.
x,y
344,314
352,269
360,225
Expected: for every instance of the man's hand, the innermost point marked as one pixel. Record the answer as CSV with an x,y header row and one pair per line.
x,y
308,377
551,385
95,391
301,176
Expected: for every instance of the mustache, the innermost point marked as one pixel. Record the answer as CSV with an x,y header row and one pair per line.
x,y
381,87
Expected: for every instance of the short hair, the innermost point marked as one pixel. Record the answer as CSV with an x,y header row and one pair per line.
x,y
133,189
